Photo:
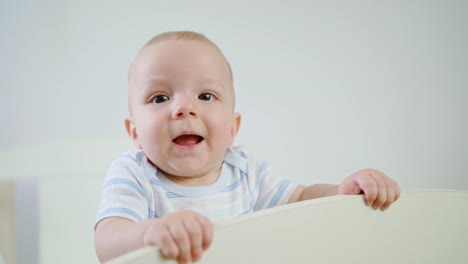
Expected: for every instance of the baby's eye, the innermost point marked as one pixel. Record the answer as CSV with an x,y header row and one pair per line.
x,y
160,99
206,97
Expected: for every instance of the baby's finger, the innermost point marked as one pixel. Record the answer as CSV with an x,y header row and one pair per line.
x,y
381,189
391,193
194,231
207,231
181,238
161,237
397,190
368,186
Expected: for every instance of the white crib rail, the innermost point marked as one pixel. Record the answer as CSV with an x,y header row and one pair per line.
x,y
422,227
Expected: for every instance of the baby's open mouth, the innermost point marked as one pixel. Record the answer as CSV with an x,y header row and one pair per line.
x,y
187,140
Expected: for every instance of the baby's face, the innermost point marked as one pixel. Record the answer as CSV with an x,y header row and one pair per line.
x,y
181,102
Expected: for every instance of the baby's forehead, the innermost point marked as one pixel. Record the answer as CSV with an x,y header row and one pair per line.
x,y
177,38
182,36
161,50
159,45
183,47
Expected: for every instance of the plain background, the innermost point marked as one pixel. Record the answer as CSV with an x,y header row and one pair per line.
x,y
324,87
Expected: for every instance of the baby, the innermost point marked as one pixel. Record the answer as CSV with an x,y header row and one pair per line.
x,y
185,174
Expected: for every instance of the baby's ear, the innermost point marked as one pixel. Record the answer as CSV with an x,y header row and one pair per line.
x,y
131,131
235,124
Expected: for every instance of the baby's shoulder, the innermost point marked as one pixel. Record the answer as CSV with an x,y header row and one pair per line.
x,y
132,164
132,158
238,152
242,158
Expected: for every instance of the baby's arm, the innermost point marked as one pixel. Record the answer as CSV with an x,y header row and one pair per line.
x,y
182,235
379,190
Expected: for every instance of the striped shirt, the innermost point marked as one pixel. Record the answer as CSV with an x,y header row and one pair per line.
x,y
137,190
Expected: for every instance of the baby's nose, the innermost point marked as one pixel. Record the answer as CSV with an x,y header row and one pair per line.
x,y
184,107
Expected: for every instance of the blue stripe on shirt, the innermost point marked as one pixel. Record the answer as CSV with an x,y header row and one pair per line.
x,y
279,193
139,157
259,176
121,210
173,195
261,171
233,185
152,214
156,182
262,168
129,183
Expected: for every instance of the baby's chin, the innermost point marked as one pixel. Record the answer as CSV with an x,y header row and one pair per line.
x,y
192,176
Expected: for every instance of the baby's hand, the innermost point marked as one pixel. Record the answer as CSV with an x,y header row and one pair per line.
x,y
182,235
379,190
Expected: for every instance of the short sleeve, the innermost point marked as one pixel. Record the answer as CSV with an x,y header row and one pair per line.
x,y
273,190
123,194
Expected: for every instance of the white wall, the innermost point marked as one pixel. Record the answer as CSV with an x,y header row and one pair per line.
x,y
325,87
